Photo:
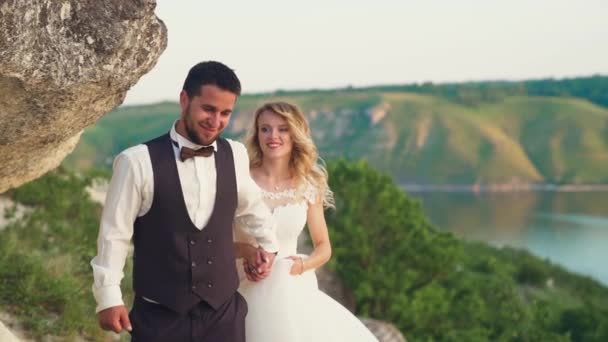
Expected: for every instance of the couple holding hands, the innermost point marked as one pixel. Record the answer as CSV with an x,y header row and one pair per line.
x,y
215,224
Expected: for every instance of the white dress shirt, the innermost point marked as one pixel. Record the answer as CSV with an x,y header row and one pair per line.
x,y
130,196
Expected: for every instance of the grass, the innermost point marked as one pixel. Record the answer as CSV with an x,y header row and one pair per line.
x,y
45,277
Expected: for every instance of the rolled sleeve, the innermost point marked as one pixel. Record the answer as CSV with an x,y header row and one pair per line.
x,y
252,217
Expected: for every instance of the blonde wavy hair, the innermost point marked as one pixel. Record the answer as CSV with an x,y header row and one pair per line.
x,y
305,164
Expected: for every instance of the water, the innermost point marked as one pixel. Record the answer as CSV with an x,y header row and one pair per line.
x,y
568,228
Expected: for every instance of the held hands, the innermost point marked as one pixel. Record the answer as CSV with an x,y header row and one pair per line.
x,y
115,318
298,265
257,264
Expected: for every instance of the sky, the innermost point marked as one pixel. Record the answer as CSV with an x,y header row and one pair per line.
x,y
322,44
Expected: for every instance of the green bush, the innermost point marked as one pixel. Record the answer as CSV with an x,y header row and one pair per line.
x,y
385,249
434,287
532,272
585,324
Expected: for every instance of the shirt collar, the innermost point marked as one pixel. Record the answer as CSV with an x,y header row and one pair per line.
x,y
183,141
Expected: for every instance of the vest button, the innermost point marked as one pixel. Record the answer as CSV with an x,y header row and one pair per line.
x,y
192,242
193,264
209,240
209,262
194,287
209,285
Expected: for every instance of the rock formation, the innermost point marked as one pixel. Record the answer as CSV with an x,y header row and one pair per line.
x,y
385,332
6,335
63,65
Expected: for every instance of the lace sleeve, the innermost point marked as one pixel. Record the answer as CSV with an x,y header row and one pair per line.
x,y
310,193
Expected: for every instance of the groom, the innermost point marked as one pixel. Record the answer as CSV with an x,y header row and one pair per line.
x,y
177,197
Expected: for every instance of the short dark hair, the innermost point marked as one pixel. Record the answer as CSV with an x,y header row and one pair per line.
x,y
214,73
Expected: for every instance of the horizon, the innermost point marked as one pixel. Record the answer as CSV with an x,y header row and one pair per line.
x,y
368,87
329,44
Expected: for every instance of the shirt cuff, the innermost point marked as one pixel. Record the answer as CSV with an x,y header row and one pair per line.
x,y
107,297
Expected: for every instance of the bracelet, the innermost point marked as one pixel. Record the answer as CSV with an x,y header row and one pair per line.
x,y
302,262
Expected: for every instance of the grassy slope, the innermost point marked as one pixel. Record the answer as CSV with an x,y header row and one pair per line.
x,y
566,138
421,138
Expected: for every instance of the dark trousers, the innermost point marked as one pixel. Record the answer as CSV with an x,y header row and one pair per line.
x,y
156,323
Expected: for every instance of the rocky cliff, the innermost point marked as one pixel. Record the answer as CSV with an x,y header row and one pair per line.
x,y
63,65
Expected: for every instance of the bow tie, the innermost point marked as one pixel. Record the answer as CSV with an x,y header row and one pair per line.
x,y
187,152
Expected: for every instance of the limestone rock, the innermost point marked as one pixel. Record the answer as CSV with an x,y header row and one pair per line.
x,y
63,65
332,285
10,331
385,332
10,212
6,335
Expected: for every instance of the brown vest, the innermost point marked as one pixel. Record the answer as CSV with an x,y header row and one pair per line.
x,y
175,263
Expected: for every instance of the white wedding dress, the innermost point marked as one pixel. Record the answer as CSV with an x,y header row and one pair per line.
x,y
291,308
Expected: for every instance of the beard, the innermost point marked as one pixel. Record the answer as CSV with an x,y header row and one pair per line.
x,y
193,136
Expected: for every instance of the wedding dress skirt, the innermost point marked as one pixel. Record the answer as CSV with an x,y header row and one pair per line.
x,y
288,308
291,308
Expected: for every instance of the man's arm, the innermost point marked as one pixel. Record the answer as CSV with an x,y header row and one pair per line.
x,y
121,207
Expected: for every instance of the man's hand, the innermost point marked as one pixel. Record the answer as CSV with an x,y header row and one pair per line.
x,y
115,318
258,265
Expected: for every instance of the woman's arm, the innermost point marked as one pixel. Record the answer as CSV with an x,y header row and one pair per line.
x,y
317,227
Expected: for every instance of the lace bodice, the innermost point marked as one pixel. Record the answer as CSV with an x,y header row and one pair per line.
x,y
289,209
304,194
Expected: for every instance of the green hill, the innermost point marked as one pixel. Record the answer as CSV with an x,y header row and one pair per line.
x,y
416,135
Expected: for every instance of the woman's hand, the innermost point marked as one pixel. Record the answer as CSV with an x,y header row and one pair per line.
x,y
298,265
257,263
249,254
252,272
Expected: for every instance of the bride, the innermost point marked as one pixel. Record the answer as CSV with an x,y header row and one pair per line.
x,y
287,304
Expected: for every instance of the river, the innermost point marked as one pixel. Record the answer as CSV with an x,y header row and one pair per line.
x,y
569,228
